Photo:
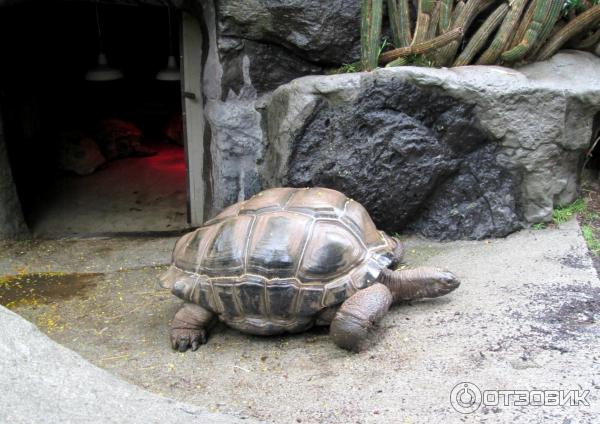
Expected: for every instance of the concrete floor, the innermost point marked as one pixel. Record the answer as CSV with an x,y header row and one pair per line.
x,y
137,194
525,317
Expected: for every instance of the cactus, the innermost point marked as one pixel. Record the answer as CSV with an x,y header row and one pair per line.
x,y
481,36
551,19
423,20
491,54
523,25
435,18
370,32
400,22
445,16
426,46
574,27
456,13
518,30
544,10
469,12
439,58
401,61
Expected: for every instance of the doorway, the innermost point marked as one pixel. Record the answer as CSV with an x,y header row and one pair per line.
x,y
96,157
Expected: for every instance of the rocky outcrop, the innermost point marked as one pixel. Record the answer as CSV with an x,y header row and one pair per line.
x,y
467,152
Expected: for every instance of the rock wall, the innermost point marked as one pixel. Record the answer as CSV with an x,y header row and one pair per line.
x,y
12,224
522,133
466,152
254,47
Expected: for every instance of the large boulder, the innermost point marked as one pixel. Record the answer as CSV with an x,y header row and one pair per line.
x,y
467,152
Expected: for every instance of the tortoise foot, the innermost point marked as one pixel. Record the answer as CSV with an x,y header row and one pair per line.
x,y
183,339
357,317
189,328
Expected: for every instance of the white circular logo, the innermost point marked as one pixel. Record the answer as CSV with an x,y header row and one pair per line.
x,y
465,398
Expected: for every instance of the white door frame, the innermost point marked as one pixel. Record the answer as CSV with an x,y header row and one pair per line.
x,y
193,114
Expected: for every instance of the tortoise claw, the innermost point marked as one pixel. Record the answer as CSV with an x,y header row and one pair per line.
x,y
183,339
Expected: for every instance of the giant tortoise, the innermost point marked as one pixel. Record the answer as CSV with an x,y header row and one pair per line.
x,y
288,259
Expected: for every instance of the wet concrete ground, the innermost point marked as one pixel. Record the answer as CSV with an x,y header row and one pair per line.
x,y
524,318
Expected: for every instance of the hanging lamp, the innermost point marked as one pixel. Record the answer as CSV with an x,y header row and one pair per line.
x,y
171,72
102,72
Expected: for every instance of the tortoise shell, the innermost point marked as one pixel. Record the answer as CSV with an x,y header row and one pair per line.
x,y
271,263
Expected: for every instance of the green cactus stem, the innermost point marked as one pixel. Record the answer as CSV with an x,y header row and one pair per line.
x,y
523,25
576,26
456,13
481,36
426,46
399,13
544,10
469,12
510,22
370,32
445,16
439,55
433,24
423,20
401,61
551,19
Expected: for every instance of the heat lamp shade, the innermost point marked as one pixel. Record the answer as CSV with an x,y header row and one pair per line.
x,y
103,72
170,73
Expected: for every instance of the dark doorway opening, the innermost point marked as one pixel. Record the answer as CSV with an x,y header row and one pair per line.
x,y
88,156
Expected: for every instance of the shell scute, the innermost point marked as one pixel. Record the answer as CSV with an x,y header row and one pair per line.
x,y
268,200
338,291
226,298
225,253
281,296
251,294
331,251
309,300
318,202
276,243
358,219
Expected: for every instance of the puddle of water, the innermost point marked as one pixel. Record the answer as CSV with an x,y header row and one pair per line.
x,y
42,288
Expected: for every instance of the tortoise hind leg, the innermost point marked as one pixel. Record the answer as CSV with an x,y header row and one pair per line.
x,y
353,322
190,326
418,283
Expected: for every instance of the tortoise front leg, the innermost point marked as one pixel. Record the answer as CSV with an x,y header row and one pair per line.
x,y
358,315
418,283
190,326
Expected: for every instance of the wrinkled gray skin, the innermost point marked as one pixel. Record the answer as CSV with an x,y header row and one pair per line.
x,y
351,323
